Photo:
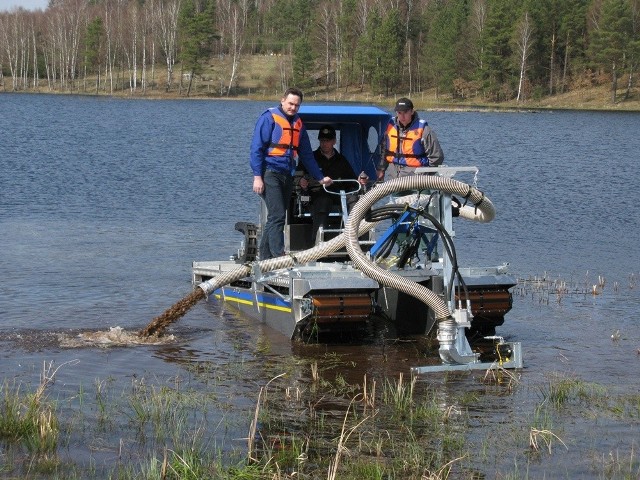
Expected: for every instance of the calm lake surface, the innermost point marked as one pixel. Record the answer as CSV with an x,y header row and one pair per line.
x,y
104,204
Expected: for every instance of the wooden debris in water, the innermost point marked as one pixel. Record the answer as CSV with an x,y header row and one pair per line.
x,y
173,313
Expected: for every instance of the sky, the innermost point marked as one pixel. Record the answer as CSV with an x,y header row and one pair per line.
x,y
6,5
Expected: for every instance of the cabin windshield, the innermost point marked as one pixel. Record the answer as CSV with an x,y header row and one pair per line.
x,y
359,131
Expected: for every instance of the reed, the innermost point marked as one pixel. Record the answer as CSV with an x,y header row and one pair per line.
x,y
539,437
618,464
567,390
399,393
341,448
30,419
325,426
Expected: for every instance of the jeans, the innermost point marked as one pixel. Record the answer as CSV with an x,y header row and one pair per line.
x,y
276,196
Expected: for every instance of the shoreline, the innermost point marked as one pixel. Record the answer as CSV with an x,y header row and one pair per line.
x,y
554,103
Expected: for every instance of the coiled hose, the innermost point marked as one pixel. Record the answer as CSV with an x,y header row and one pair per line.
x,y
482,211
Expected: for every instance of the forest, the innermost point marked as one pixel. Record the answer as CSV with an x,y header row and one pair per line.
x,y
496,50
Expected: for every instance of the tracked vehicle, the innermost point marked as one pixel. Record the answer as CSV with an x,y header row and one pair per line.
x,y
391,258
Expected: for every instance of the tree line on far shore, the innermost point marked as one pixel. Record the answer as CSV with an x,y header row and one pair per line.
x,y
497,50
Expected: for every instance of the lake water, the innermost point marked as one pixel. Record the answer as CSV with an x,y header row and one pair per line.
x,y
104,204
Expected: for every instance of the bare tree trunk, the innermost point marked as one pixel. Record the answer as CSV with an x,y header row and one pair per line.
x,y
134,22
525,30
25,49
46,66
552,62
614,83
324,33
627,94
283,75
565,66
338,50
166,17
190,83
236,20
407,42
143,78
111,50
36,73
153,63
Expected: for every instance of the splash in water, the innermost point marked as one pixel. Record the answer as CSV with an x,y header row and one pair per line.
x,y
114,337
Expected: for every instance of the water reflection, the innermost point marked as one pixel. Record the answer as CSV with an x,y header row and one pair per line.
x,y
100,221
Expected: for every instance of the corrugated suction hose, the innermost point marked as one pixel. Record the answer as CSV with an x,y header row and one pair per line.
x,y
482,212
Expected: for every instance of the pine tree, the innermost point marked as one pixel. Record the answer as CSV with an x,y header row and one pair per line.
x,y
612,40
197,33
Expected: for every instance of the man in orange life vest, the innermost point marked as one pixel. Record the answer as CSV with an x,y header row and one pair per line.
x,y
279,140
409,144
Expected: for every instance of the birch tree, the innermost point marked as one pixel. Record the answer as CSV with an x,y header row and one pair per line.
x,y
634,45
477,22
233,22
166,16
111,43
11,32
524,32
26,53
148,39
130,42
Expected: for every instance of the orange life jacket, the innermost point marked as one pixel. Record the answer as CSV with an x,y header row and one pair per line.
x,y
289,134
406,148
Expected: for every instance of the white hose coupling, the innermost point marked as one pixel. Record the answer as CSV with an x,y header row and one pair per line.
x,y
208,286
446,332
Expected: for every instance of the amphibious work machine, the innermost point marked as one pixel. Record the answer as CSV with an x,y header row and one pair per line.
x,y
390,258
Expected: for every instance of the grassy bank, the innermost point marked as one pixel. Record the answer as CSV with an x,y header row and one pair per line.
x,y
328,428
260,78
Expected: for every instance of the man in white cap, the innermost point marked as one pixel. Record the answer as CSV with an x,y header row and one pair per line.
x,y
409,143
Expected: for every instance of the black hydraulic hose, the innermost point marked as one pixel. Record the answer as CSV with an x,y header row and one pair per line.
x,y
386,247
378,215
395,211
451,251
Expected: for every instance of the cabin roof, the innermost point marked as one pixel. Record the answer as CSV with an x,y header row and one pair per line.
x,y
364,114
342,109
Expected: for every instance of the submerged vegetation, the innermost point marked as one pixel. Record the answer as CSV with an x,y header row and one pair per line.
x,y
326,427
459,51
